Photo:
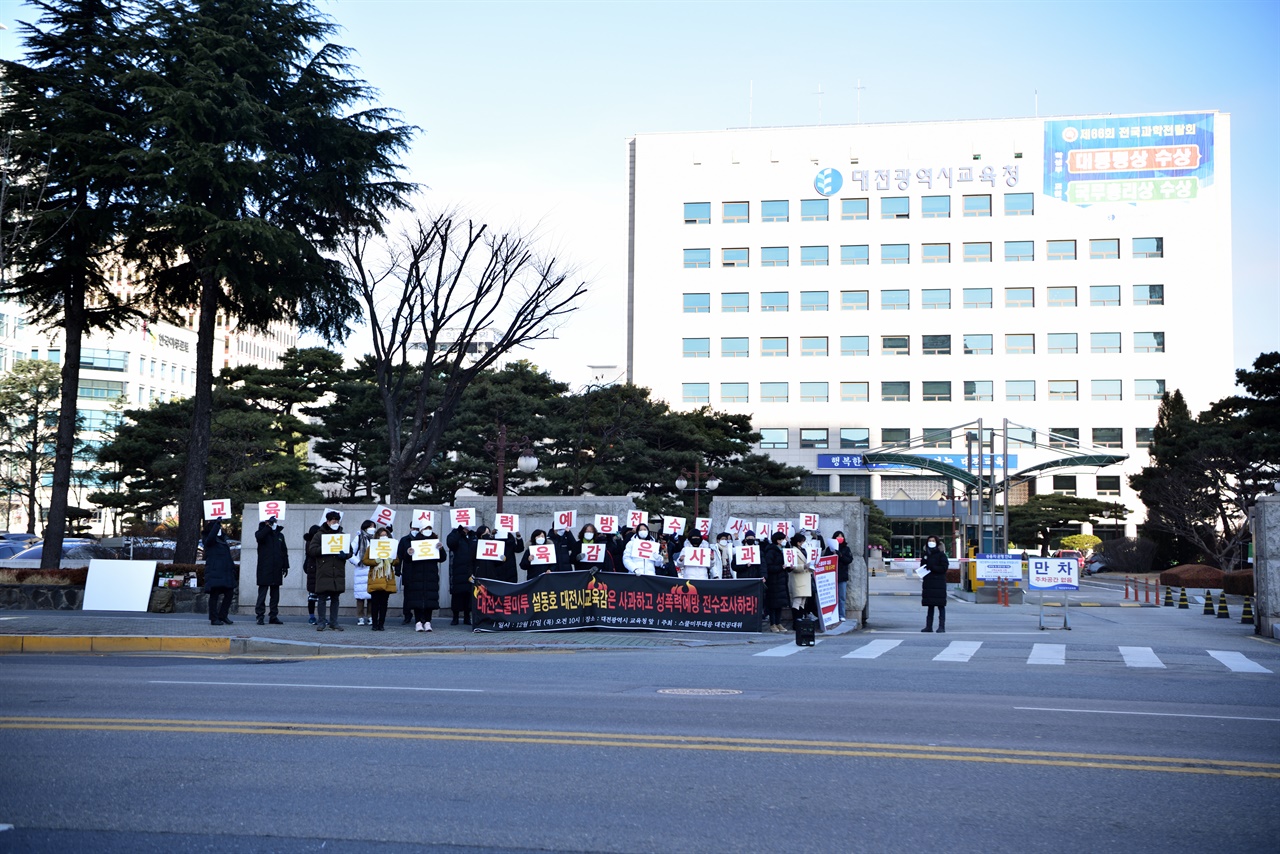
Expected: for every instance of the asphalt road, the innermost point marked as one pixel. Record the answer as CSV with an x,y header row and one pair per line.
x,y
927,744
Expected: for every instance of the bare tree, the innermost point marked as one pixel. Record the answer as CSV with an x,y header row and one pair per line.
x,y
445,300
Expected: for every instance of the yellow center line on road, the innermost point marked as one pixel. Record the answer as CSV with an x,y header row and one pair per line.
x,y
1165,764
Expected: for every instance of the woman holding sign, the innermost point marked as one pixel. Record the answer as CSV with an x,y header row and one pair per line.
x,y
540,556
219,572
933,589
462,545
420,576
380,577
593,552
776,595
642,555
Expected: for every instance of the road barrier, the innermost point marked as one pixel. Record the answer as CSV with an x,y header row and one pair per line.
x,y
1223,613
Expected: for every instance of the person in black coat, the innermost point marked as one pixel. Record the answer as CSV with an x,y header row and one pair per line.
x,y
506,570
420,580
844,560
462,566
933,589
776,593
219,572
273,567
309,569
531,569
566,549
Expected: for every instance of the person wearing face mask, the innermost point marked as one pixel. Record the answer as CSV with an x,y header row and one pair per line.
x,y
331,573
359,575
747,570
309,570
273,567
775,580
691,570
566,549
531,569
724,549
420,579
462,566
844,560
933,588
219,573
631,559
617,544
380,577
800,580
506,570
586,537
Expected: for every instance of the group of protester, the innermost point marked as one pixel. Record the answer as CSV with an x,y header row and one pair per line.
x,y
375,579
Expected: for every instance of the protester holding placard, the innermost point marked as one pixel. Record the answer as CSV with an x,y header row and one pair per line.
x,y
309,570
696,560
420,578
744,568
933,588
462,567
219,572
800,581
593,552
380,577
566,549
844,561
505,570
538,545
617,546
776,596
331,572
273,566
641,555
359,573
724,552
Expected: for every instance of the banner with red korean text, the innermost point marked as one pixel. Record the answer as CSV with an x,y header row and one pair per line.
x,y
827,589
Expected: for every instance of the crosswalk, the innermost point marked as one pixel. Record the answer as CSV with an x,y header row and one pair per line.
x,y
1041,654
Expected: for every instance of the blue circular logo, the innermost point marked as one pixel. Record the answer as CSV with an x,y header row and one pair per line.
x,y
828,182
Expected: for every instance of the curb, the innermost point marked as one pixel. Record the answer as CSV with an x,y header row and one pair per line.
x,y
111,643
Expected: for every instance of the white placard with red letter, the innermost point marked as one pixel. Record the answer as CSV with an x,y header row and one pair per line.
x,y
785,527
646,549
791,558
491,550
272,507
737,527
382,549
423,518
334,544
565,520
809,521
545,553
217,508
635,518
384,516
425,549
606,524
697,557
748,555
506,523
462,516
703,525
673,525
763,529
593,552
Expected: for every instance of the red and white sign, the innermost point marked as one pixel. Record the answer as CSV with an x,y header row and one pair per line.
x,y
737,527
763,529
809,521
425,549
543,554
593,553
673,524
635,518
335,544
606,524
791,559
217,508
565,520
748,555
697,557
462,516
491,549
272,507
381,549
703,525
827,589
384,516
506,523
646,549
785,527
423,518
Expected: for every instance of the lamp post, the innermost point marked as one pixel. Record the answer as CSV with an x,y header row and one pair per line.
x,y
711,483
527,462
942,502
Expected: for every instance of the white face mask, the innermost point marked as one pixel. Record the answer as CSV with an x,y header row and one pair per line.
x,y
933,545
644,535
588,536
428,532
334,525
539,540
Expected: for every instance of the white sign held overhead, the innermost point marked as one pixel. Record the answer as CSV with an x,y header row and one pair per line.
x,y
635,518
272,507
423,518
565,520
606,524
462,517
217,508
506,524
384,516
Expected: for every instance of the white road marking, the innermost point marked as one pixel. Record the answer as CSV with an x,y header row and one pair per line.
x,y
784,649
958,651
875,649
1140,656
1048,653
1150,714
1237,661
304,685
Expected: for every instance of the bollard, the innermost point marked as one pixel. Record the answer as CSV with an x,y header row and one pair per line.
x,y
1223,613
1126,588
1157,590
1168,597
1007,584
1182,600
1208,604
1247,615
1146,592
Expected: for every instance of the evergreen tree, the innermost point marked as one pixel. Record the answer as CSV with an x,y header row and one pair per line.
x,y
29,396
1034,522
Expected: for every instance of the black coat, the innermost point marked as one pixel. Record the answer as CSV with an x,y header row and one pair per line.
x,y
219,570
273,556
776,594
844,558
933,589
506,570
462,563
308,561
566,550
419,579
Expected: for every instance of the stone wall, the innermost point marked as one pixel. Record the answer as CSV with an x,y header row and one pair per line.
x,y
40,597
1265,519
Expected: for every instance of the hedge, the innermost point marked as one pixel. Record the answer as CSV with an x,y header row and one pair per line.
x,y
1192,575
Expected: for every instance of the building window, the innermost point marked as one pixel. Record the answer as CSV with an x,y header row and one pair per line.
x,y
733,258
773,393
853,301
774,301
978,345
1108,437
854,256
1061,250
977,206
813,347
895,253
1019,344
773,437
1104,250
1104,342
1148,342
1021,437
103,360
854,393
697,213
1019,297
1061,343
55,356
977,253
1108,485
855,484
1017,251
853,209
1064,484
694,258
1148,294
1019,204
895,435
1105,390
1104,295
1064,390
855,345
97,420
775,256
1143,437
815,483
1064,437
936,437
735,212
697,303
935,253
734,348
935,207
936,391
773,347
977,297
100,389
813,392
1148,389
813,300
814,210
1148,247
895,300
734,302
696,392
895,345
855,438
1020,390
936,298
978,390
813,438
733,392
895,392
776,211
813,256
697,348
895,207
935,345
1062,297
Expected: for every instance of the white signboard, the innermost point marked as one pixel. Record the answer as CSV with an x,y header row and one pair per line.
x,y
697,557
997,567
809,521
748,555
491,550
647,549
118,585
425,549
334,544
593,552
1052,573
381,549
704,525
423,518
506,523
565,520
673,524
606,524
462,517
737,527
217,508
384,516
545,553
272,507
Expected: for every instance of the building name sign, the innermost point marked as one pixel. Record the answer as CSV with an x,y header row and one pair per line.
x,y
829,181
174,343
960,461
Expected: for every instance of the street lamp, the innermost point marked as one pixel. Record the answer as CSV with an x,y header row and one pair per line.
x,y
943,498
527,462
711,483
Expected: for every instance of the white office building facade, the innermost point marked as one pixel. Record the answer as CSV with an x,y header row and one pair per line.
x,y
856,287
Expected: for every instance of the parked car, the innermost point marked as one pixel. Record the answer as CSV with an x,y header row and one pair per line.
x,y
1079,556
1095,563
9,548
18,537
71,550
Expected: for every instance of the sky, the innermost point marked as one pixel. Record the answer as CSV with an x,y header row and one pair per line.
x,y
525,108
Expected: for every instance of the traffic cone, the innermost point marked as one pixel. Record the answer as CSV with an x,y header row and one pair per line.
x,y
1182,600
1168,597
1247,615
1208,604
1223,613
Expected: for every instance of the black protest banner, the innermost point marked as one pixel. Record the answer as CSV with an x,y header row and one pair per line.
x,y
559,601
